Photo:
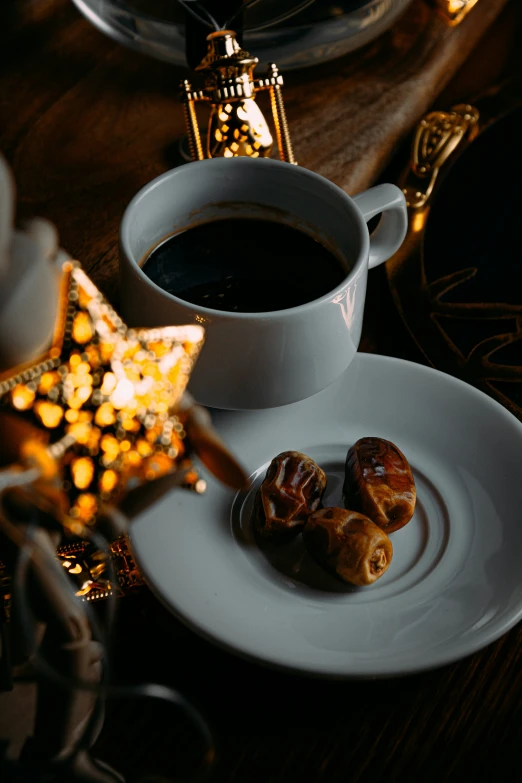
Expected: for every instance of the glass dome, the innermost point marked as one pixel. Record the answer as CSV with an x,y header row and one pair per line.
x,y
319,32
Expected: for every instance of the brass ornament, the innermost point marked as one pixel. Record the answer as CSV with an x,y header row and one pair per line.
x,y
236,124
437,136
422,302
99,403
91,572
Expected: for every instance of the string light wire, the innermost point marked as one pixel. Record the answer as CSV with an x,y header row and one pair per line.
x,y
29,548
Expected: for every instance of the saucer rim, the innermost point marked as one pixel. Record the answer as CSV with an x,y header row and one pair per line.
x,y
481,640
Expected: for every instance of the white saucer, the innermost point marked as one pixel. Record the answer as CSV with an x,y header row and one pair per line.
x,y
454,584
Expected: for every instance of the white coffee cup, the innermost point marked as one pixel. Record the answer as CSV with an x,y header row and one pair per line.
x,y
261,360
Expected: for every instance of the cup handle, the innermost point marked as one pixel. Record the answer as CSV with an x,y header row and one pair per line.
x,y
389,234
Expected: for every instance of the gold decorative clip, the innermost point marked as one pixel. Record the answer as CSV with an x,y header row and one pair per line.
x,y
437,137
454,11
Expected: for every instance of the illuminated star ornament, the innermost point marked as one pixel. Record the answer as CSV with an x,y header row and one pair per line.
x,y
101,399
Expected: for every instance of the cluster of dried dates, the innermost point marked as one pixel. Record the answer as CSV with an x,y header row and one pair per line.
x,y
351,543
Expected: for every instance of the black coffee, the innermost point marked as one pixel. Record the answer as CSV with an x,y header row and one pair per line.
x,y
244,265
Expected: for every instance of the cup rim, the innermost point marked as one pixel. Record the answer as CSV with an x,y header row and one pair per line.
x,y
364,239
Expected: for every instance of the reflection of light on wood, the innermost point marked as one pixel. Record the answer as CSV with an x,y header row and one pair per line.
x,y
454,11
418,220
77,569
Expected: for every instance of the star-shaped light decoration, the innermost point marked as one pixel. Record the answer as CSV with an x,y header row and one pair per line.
x,y
102,400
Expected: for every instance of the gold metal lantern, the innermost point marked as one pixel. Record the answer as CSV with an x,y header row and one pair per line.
x,y
236,125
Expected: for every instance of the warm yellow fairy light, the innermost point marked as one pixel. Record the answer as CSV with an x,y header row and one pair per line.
x,y
144,449
82,470
108,481
105,415
85,507
82,330
133,459
123,393
49,414
110,444
22,397
47,381
81,431
109,383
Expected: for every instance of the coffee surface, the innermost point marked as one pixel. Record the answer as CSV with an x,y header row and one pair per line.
x,y
244,265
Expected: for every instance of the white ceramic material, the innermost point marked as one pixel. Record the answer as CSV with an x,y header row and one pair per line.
x,y
454,582
28,280
260,360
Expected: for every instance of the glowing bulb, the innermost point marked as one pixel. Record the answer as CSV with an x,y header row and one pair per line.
x,y
123,393
105,415
108,481
82,330
81,431
47,381
82,470
22,397
49,414
86,507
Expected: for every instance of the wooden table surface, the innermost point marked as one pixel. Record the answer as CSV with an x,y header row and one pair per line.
x,y
85,123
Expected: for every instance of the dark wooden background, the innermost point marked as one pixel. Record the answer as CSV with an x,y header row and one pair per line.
x,y
85,123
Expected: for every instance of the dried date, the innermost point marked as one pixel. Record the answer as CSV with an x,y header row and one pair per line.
x,y
348,545
293,488
379,483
